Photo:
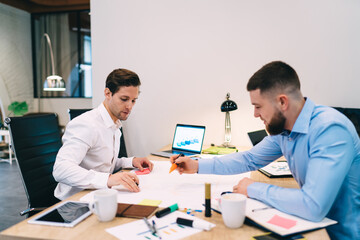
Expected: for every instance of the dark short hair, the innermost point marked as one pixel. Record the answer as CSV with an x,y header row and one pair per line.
x,y
274,75
121,78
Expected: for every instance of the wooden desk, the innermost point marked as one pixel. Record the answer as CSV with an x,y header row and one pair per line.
x,y
91,228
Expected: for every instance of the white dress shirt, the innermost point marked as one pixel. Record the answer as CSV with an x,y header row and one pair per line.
x,y
89,154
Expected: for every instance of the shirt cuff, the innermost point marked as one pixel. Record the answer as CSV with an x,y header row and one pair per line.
x,y
127,162
257,190
205,166
99,180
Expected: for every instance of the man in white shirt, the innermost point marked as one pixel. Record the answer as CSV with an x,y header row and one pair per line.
x,y
91,142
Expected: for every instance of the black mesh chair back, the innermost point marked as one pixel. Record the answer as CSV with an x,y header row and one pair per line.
x,y
73,113
353,114
36,142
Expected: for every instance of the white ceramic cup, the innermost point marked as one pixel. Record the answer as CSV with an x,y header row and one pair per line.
x,y
232,206
104,204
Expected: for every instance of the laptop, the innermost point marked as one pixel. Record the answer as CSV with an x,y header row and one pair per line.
x,y
188,140
257,136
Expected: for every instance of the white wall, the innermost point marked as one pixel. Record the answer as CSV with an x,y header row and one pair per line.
x,y
190,53
15,57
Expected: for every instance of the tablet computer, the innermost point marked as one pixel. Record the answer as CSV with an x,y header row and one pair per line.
x,y
66,214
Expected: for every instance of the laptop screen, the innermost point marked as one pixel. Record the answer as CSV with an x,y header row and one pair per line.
x,y
188,138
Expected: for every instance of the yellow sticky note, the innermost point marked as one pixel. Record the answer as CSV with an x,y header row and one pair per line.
x,y
150,202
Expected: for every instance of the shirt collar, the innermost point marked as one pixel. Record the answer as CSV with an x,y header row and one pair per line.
x,y
302,123
107,118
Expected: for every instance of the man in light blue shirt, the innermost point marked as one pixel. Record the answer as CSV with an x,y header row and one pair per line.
x,y
320,144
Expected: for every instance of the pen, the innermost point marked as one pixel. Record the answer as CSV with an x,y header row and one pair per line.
x,y
151,227
155,229
175,165
167,210
217,211
259,209
148,225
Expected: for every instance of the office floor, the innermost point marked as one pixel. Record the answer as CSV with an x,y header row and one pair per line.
x,y
12,195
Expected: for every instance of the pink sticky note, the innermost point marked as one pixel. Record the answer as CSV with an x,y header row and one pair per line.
x,y
143,172
282,222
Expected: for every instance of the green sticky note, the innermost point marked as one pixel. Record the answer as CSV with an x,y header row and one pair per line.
x,y
150,202
219,150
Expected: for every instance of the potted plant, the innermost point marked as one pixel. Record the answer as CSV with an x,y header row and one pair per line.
x,y
16,108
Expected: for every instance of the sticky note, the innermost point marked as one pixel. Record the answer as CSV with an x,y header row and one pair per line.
x,y
143,172
282,222
150,202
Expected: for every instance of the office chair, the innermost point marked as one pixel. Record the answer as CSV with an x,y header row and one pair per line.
x,y
36,142
73,113
353,114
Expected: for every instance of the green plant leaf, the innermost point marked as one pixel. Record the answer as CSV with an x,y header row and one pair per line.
x,y
18,108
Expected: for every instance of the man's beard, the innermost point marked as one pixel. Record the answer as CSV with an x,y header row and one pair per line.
x,y
277,124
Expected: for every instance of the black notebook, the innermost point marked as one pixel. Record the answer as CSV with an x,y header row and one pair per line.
x,y
277,169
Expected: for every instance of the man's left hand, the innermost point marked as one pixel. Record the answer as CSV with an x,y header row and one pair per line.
x,y
140,163
242,186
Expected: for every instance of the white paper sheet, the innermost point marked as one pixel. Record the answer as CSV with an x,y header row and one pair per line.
x,y
187,190
167,227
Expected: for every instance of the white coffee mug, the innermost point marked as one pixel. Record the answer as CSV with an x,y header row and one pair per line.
x,y
232,206
104,204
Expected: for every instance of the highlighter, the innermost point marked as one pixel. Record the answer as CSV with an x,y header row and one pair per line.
x,y
175,165
167,210
207,199
194,223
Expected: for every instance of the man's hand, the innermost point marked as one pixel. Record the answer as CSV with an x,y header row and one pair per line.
x,y
185,164
242,186
140,163
127,179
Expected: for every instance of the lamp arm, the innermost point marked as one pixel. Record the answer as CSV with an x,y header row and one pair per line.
x,y
51,53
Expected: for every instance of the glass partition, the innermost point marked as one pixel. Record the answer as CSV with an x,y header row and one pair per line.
x,y
70,37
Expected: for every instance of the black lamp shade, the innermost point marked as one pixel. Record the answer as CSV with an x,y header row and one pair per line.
x,y
228,106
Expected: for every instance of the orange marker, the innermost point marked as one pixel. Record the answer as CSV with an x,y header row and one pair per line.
x,y
175,165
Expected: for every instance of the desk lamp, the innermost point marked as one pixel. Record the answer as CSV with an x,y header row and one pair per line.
x,y
227,107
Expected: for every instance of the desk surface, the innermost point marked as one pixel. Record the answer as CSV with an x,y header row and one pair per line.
x,y
91,228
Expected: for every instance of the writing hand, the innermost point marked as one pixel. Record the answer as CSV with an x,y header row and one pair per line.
x,y
185,164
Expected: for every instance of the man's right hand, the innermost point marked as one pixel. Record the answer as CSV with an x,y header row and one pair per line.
x,y
185,164
127,179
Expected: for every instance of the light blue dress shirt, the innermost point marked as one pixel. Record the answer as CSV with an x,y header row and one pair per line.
x,y
323,153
